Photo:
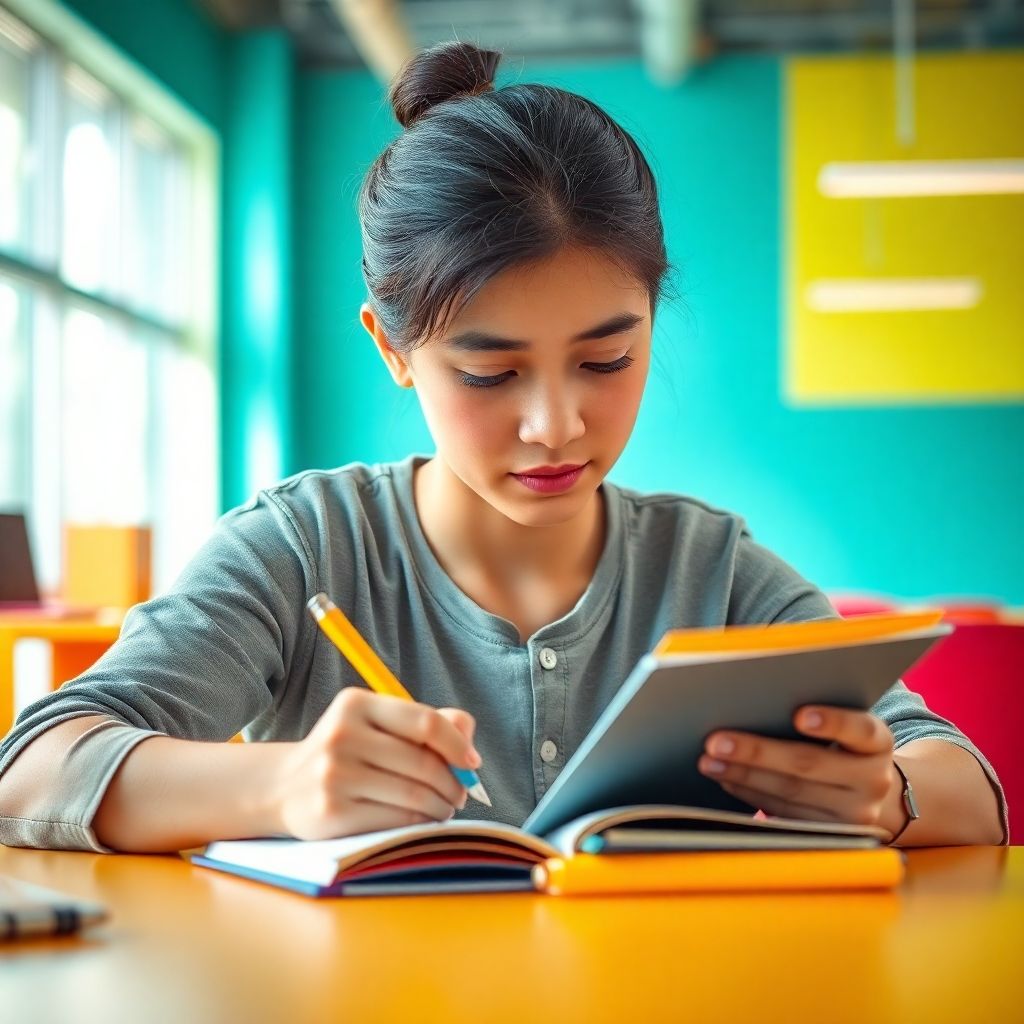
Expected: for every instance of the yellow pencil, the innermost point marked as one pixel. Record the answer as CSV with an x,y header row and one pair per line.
x,y
363,658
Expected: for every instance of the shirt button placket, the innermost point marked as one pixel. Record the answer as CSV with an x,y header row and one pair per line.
x,y
548,660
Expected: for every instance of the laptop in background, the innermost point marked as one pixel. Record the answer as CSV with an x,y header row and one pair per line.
x,y
19,588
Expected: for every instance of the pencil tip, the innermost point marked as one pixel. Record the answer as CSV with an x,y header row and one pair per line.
x,y
479,794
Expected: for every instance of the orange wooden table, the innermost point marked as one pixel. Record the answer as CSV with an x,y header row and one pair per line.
x,y
188,944
76,643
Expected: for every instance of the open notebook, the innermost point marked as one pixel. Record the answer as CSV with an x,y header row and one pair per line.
x,y
633,785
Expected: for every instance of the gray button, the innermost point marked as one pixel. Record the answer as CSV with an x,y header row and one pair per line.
x,y
548,751
548,658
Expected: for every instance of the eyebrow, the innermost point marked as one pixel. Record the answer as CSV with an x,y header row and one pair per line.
x,y
480,341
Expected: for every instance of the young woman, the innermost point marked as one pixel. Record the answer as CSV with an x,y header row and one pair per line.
x,y
513,255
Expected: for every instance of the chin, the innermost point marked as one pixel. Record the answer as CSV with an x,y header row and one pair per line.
x,y
539,511
539,517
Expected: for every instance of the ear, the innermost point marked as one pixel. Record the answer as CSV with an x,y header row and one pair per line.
x,y
397,364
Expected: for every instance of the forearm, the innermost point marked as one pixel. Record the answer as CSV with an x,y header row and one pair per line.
x,y
956,801
167,794
172,794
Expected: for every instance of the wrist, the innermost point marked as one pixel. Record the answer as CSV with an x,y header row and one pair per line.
x,y
899,810
265,792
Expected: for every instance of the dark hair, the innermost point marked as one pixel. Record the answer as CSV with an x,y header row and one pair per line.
x,y
483,179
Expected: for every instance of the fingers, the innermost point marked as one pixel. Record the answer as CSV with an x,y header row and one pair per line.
x,y
427,727
788,757
848,781
402,758
857,731
414,722
406,749
373,762
836,766
796,797
402,793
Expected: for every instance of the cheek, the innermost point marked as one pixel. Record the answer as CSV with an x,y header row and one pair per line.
x,y
614,405
466,419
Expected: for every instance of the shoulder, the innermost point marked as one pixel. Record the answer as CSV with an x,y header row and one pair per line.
x,y
328,513
660,515
329,495
354,485
709,551
683,536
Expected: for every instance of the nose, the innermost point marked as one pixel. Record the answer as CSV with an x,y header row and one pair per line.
x,y
552,417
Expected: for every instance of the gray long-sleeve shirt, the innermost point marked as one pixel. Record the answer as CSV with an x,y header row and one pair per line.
x,y
231,647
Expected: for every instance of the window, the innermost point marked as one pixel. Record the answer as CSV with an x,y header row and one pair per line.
x,y
16,48
14,472
107,382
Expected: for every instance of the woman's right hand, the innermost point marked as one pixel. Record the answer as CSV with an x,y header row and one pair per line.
x,y
374,762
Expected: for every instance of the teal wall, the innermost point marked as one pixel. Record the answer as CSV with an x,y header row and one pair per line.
x,y
256,337
345,409
911,501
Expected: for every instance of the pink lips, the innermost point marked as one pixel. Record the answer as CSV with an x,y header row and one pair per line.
x,y
551,479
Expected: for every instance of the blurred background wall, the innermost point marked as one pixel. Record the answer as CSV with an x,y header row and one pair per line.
x,y
875,456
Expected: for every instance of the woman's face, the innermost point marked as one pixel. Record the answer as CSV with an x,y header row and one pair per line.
x,y
532,391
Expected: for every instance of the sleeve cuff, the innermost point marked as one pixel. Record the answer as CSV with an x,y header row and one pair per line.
x,y
65,821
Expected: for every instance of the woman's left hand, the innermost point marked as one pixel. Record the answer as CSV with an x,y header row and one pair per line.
x,y
850,781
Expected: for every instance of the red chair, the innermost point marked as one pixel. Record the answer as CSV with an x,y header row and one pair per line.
x,y
975,678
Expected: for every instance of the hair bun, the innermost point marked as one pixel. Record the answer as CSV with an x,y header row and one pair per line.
x,y
442,72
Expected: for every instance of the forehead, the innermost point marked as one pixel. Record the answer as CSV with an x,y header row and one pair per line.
x,y
558,296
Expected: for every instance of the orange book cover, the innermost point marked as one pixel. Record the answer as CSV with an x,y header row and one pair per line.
x,y
726,871
794,635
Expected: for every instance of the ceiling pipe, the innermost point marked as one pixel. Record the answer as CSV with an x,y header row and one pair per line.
x,y
669,38
903,56
379,32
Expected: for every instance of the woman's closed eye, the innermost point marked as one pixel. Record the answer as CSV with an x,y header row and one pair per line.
x,y
613,367
475,381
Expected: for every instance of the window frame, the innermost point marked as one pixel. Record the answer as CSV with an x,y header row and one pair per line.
x,y
60,39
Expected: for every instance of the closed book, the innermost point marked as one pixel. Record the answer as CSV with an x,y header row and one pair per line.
x,y
738,871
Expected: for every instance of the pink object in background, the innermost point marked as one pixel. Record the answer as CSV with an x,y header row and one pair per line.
x,y
975,678
861,604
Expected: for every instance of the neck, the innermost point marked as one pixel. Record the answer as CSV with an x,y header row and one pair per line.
x,y
479,547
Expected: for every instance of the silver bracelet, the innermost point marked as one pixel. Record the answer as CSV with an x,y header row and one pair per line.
x,y
909,803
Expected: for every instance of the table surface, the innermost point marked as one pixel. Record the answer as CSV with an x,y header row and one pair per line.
x,y
188,944
77,640
101,624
